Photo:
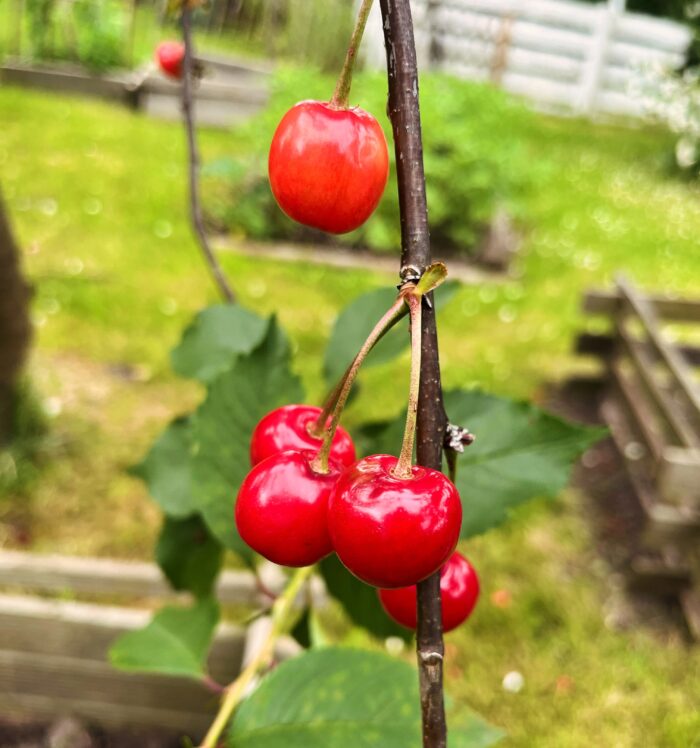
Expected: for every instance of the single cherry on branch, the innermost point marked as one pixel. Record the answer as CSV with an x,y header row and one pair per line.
x,y
292,427
328,162
459,592
282,508
393,531
170,56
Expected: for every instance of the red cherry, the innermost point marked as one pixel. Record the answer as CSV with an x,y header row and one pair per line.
x,y
170,56
328,166
393,532
287,428
459,590
282,509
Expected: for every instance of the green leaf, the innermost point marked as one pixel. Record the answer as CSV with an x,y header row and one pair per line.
x,y
166,469
214,337
520,453
222,426
359,600
188,555
357,320
175,642
335,698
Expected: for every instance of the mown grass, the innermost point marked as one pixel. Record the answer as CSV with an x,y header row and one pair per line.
x,y
98,200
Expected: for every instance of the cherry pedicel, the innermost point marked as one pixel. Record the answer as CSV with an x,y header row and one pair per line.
x,y
328,165
170,56
282,509
459,591
289,427
393,531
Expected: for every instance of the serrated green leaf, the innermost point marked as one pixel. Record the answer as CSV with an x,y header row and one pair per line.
x,y
359,600
357,320
214,337
188,555
520,453
166,469
175,642
222,426
335,698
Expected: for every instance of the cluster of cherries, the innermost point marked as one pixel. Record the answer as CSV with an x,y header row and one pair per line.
x,y
391,523
389,531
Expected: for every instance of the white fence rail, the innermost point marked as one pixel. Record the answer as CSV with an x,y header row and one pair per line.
x,y
561,54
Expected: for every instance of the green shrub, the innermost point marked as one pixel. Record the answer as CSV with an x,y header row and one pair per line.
x,y
474,162
91,32
100,26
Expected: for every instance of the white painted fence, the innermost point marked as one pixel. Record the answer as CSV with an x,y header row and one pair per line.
x,y
561,54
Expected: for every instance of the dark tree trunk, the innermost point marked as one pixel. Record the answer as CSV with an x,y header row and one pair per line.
x,y
15,329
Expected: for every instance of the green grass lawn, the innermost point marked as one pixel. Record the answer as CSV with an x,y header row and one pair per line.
x,y
98,200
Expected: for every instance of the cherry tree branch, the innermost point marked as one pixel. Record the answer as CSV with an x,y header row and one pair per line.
x,y
404,112
193,160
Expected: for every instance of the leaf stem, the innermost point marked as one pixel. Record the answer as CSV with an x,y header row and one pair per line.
x,y
282,616
341,95
403,466
390,318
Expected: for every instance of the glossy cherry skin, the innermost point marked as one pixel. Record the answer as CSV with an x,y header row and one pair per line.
x,y
328,167
287,428
282,509
170,56
459,591
392,532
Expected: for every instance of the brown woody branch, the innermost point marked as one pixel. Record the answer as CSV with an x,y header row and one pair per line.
x,y
193,160
404,112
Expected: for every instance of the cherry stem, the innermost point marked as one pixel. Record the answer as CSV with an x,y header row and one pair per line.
x,y
282,620
403,466
341,95
392,316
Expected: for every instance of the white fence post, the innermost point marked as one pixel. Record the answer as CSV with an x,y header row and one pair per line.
x,y
591,76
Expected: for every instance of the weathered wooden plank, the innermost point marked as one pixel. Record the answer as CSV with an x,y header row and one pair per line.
x,y
666,307
55,573
86,631
665,524
678,367
596,344
629,394
35,706
88,680
238,89
679,476
674,419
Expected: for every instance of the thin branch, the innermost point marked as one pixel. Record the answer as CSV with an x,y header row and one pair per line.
x,y
282,618
193,153
404,112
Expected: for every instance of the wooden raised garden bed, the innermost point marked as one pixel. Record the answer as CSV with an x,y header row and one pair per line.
x,y
230,92
652,407
53,650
